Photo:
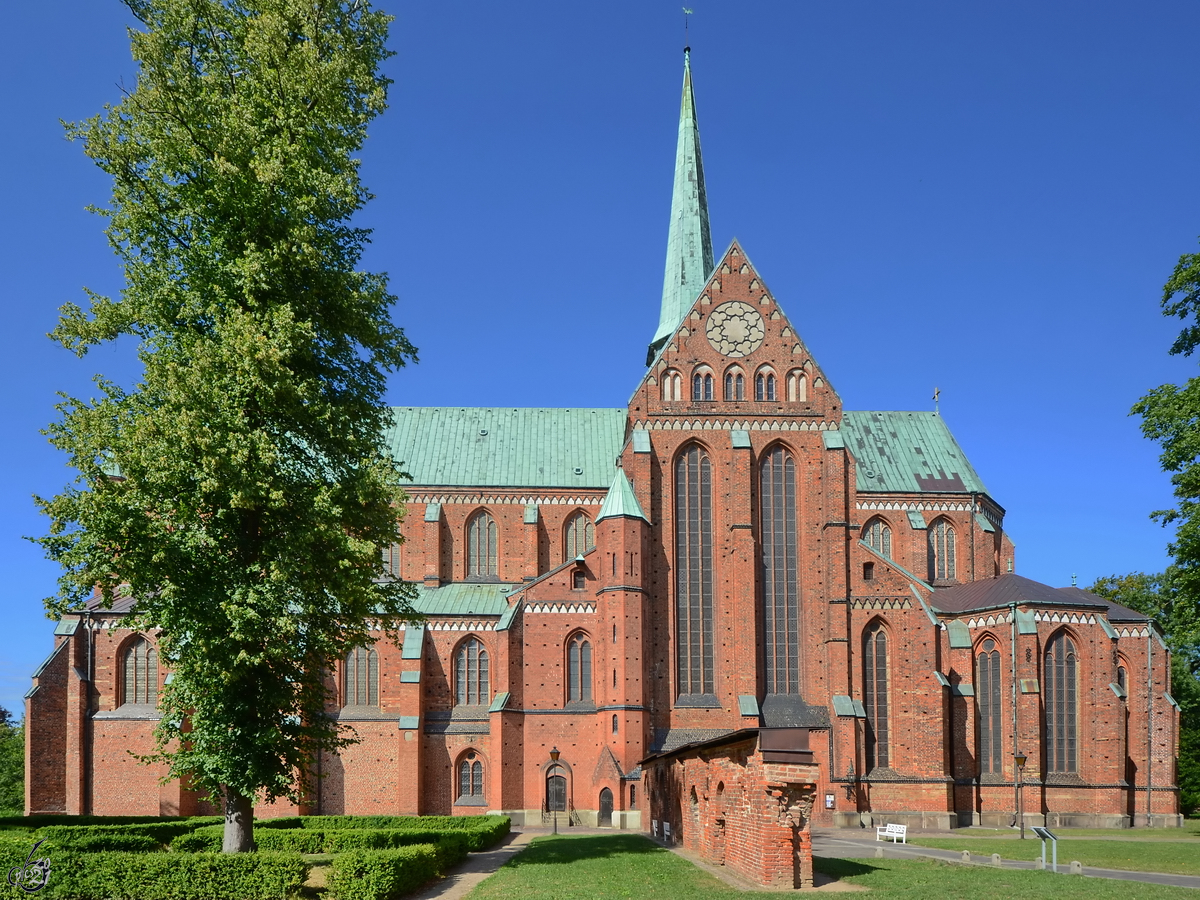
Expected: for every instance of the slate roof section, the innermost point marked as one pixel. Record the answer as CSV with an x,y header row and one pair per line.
x,y
1003,590
507,447
907,452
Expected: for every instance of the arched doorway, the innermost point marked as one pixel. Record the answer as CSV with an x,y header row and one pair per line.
x,y
606,807
556,790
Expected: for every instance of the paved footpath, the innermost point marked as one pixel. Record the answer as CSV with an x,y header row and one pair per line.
x,y
849,844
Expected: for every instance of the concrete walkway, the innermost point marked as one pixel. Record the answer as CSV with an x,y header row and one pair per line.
x,y
848,844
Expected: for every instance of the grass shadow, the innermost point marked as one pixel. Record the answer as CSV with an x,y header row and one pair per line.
x,y
842,868
565,849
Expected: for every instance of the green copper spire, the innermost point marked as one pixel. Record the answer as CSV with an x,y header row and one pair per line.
x,y
689,245
620,500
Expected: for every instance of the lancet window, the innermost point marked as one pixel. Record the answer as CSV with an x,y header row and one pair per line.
x,y
139,682
579,670
471,673
942,563
694,572
1061,705
781,589
989,694
361,684
875,694
878,535
481,546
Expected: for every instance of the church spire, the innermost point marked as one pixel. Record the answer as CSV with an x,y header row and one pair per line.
x,y
689,245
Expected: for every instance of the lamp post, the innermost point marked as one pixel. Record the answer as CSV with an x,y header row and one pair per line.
x,y
1021,759
554,754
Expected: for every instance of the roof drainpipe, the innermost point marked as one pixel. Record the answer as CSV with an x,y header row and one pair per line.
x,y
1149,719
1013,642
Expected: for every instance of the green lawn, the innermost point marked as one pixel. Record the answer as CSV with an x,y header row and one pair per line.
x,y
1180,857
1189,832
600,867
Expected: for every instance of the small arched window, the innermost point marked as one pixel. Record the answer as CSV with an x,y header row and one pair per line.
x,y
1061,705
139,682
875,695
878,535
614,723
471,673
702,386
481,546
989,696
578,580
581,536
470,778
672,385
579,670
797,386
941,551
735,385
362,677
764,386
1121,676
391,561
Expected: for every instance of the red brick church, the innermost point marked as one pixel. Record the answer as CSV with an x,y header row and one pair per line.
x,y
731,594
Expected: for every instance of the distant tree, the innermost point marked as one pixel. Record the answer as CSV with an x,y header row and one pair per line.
x,y
12,765
1176,615
241,493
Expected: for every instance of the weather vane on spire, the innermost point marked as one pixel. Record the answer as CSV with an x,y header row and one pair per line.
x,y
937,392
686,12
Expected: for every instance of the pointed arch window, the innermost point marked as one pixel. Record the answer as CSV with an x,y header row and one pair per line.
x,y
579,670
781,588
139,681
875,695
470,779
735,385
878,535
391,561
989,695
942,563
694,572
581,536
481,546
797,386
361,684
471,674
1061,705
764,386
702,386
672,386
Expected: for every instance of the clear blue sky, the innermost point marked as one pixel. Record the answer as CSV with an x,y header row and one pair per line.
x,y
982,197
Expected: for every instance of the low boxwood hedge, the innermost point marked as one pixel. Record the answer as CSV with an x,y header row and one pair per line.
x,y
308,840
482,831
71,836
384,874
160,876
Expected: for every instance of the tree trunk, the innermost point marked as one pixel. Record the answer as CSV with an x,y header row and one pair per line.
x,y
239,823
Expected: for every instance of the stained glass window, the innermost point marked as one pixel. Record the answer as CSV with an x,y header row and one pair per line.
x,y
1061,705
875,695
694,572
781,590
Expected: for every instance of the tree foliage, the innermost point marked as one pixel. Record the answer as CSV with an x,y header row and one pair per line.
x,y
241,492
1175,613
12,765
1171,417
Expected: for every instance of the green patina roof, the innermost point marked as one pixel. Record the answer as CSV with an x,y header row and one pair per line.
x,y
464,598
507,447
689,243
907,452
620,500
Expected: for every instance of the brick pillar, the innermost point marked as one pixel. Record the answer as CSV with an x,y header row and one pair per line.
x,y
433,545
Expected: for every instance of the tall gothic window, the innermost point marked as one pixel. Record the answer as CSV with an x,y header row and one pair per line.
x,y
579,669
139,682
481,546
875,695
471,673
878,535
694,572
362,677
941,551
581,535
781,600
1061,705
988,695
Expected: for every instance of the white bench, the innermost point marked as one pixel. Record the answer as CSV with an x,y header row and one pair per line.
x,y
893,832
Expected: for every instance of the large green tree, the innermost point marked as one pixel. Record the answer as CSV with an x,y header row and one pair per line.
x,y
1175,613
242,490
12,765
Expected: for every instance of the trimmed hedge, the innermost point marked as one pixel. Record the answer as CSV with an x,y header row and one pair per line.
x,y
482,831
308,840
121,837
384,874
41,821
162,876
